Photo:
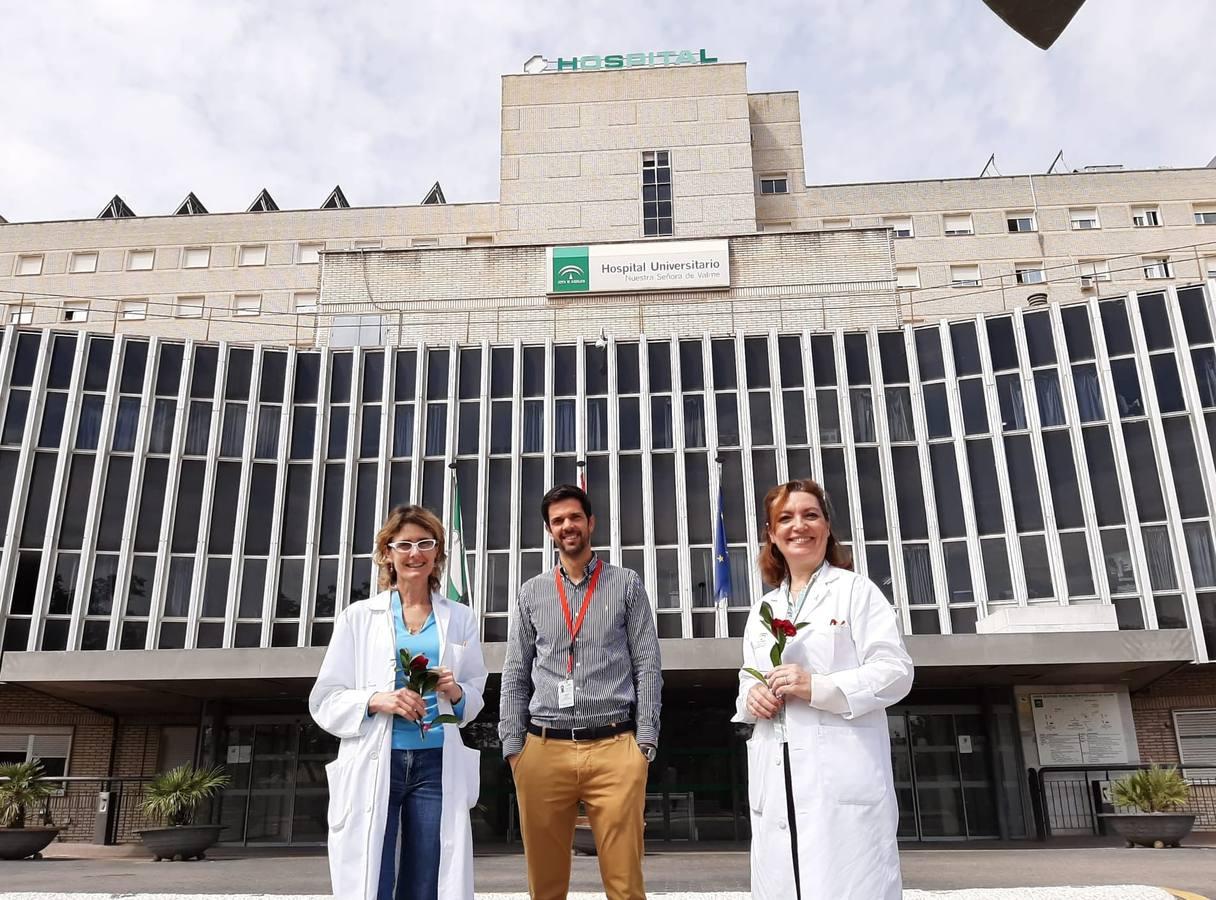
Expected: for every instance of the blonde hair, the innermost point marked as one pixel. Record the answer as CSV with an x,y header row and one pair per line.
x,y
398,518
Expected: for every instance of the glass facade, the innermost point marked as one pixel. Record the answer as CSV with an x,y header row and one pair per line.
x,y
181,495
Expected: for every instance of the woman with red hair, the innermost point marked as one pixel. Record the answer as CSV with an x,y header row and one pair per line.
x,y
823,659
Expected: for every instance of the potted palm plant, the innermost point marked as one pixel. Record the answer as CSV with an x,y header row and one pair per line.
x,y
23,787
1156,793
173,797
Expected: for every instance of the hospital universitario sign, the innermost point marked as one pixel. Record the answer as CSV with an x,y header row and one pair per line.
x,y
622,268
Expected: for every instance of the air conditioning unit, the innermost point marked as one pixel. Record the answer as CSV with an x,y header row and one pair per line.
x,y
1087,282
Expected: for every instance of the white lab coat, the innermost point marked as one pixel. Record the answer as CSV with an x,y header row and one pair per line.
x,y
840,753
361,660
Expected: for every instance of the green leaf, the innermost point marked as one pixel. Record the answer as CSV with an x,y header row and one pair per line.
x,y
766,613
446,719
801,625
759,676
429,682
775,654
174,795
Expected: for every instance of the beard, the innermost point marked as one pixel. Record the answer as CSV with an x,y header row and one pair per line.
x,y
573,544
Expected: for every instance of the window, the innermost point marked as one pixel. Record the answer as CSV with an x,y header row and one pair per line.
x,y
1196,731
247,304
657,215
134,310
774,184
190,307
1029,273
50,745
140,260
309,253
252,255
957,224
479,240
1157,267
1146,217
21,315
1093,270
30,264
907,278
76,311
196,258
1205,215
901,225
83,263
424,242
964,276
1020,221
305,301
368,244
1083,219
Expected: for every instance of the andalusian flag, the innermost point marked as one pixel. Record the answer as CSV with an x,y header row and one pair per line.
x,y
458,566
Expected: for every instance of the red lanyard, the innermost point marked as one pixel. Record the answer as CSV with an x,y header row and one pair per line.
x,y
572,626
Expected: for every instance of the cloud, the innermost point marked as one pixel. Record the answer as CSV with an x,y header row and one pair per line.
x,y
151,100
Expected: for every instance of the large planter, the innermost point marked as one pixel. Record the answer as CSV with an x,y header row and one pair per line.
x,y
180,842
1151,829
22,843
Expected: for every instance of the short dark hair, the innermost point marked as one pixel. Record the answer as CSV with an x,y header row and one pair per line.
x,y
564,492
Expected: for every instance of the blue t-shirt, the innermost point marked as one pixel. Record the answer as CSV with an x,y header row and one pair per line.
x,y
405,733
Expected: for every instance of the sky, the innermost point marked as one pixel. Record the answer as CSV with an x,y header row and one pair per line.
x,y
150,99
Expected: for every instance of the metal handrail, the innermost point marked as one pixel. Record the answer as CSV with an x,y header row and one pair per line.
x,y
1203,803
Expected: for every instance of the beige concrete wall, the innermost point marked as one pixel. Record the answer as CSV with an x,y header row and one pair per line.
x,y
1056,246
777,151
279,281
785,281
572,145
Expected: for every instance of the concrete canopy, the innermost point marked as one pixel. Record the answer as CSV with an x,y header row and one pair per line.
x,y
180,681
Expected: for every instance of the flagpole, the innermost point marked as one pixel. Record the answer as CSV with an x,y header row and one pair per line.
x,y
721,556
457,581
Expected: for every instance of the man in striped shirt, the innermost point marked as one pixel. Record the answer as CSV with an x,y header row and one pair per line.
x,y
579,715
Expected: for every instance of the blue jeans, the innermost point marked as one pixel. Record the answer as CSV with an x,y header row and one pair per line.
x,y
415,803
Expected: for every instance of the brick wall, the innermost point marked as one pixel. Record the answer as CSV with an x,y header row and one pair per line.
x,y
1193,687
135,751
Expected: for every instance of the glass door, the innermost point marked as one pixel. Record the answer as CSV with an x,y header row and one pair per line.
x,y
935,771
901,765
943,774
278,794
272,779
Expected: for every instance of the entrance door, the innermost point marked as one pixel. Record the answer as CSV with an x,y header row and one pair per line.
x,y
942,766
278,793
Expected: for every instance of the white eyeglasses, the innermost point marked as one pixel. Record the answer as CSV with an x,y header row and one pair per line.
x,y
407,546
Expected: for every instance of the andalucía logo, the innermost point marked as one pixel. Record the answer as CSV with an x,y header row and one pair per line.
x,y
570,270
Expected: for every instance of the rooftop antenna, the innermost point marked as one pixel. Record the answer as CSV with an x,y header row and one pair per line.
x,y
990,168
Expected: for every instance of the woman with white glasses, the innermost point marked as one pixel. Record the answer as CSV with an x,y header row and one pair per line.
x,y
402,786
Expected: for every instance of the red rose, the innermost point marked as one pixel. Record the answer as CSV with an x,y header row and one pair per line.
x,y
784,626
418,663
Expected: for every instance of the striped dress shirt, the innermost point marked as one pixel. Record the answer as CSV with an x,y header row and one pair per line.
x,y
617,673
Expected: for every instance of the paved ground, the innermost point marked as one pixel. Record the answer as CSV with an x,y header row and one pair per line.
x,y
1018,867
1126,892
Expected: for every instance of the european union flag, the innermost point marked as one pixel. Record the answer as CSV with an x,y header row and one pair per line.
x,y
721,557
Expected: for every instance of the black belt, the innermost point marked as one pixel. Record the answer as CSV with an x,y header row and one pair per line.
x,y
590,733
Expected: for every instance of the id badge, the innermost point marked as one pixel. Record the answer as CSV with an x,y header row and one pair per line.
x,y
565,693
